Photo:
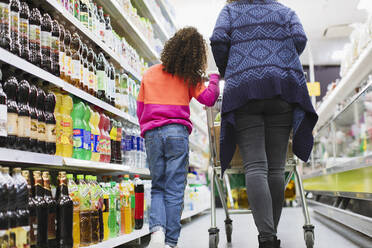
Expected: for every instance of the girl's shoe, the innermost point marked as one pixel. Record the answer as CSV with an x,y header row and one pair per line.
x,y
157,240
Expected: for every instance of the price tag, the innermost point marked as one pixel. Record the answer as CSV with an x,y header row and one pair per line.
x,y
314,88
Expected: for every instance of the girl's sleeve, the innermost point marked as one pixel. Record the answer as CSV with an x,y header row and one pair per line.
x,y
207,95
298,33
141,101
221,40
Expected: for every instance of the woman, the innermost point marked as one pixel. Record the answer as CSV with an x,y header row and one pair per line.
x,y
256,46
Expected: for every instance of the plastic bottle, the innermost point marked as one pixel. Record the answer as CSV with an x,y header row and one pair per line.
x,y
87,133
76,63
67,127
127,206
66,215
52,210
112,84
10,89
68,59
76,8
14,27
106,210
74,193
62,54
5,21
113,137
112,212
95,58
139,198
50,120
102,139
84,13
24,16
118,210
108,31
41,212
35,39
119,135
94,121
24,118
3,117
138,151
101,79
55,46
41,127
34,122
85,212
91,75
58,117
84,67
78,125
95,205
102,24
108,140
46,29
132,200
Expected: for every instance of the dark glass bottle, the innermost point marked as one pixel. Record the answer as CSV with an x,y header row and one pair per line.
x,y
84,62
50,120
4,222
52,210
31,209
62,55
65,210
41,125
10,88
101,77
76,63
24,118
3,120
68,60
56,198
34,118
46,29
55,48
11,214
35,39
91,74
24,16
14,27
41,212
4,24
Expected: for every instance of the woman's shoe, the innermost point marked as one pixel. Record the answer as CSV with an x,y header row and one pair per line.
x,y
157,240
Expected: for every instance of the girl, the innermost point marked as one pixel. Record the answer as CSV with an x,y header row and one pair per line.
x,y
164,116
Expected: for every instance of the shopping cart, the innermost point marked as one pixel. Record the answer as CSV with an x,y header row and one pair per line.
x,y
237,168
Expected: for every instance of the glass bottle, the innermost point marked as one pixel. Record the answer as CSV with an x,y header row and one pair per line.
x,y
34,118
51,209
41,125
46,29
62,55
10,88
84,13
101,77
24,15
24,118
76,64
35,39
31,208
102,23
91,75
50,121
84,60
55,46
3,117
65,210
11,214
4,24
14,27
68,59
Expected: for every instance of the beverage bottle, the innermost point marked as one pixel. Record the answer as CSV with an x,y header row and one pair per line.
x,y
76,9
138,152
24,118
62,54
50,120
118,209
95,58
65,215
94,18
121,201
55,46
35,39
77,115
46,29
58,117
122,145
108,140
76,64
67,76
107,80
106,210
101,24
91,74
11,215
132,200
41,127
70,6
90,14
102,138
127,206
34,119
124,86
113,137
4,222
119,159
14,27
108,31
134,146
85,212
4,24
10,88
139,190
85,70
94,121
3,117
41,212
84,14
112,212
24,16
100,206
67,127
118,92
101,79
87,133
95,205
112,84
31,209
52,210
74,193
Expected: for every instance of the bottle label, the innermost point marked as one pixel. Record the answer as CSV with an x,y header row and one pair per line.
x,y
95,143
133,143
41,128
102,145
90,80
132,201
76,74
12,124
85,77
78,138
14,17
76,9
84,18
66,133
138,144
102,30
68,67
24,126
34,133
62,59
73,191
51,133
95,83
55,44
33,230
4,239
45,40
23,28
101,80
3,120
51,226
87,140
128,143
35,34
81,73
139,206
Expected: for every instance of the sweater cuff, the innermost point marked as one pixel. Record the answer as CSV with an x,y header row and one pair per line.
x,y
214,78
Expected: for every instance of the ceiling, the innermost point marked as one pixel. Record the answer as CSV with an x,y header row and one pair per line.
x,y
316,15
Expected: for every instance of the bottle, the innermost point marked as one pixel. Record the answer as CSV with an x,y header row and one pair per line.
x,y
127,206
108,140
3,117
102,23
91,75
112,212
84,15
108,82
138,151
58,117
41,127
139,190
35,39
41,212
76,64
14,27
24,16
31,209
10,88
102,138
65,218
67,126
51,209
62,54
46,29
34,119
55,46
68,59
121,195
4,222
95,58
94,18
76,9
99,206
90,15
74,194
101,79
85,219
118,157
11,214
24,118
108,31
4,26
112,84
105,210
95,195
84,68
132,200
94,121
113,137
124,86
87,133
118,92
118,209
50,120
77,115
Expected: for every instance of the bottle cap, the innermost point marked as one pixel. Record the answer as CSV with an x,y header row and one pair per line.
x,y
17,170
87,177
5,169
70,176
136,176
80,177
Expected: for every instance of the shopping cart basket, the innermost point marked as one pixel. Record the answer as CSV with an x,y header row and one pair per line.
x,y
237,168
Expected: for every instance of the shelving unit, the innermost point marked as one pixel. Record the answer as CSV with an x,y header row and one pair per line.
x,y
167,12
26,66
23,157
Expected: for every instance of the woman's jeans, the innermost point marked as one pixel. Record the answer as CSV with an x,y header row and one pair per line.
x,y
167,150
262,131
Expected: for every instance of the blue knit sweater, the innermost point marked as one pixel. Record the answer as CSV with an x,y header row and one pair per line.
x,y
256,47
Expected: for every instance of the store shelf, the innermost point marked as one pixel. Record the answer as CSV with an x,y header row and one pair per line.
x,y
64,14
23,157
98,166
167,12
359,71
113,8
24,65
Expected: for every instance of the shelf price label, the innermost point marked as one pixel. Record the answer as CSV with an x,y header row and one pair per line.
x,y
314,88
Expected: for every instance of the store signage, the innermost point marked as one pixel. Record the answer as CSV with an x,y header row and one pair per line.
x,y
314,88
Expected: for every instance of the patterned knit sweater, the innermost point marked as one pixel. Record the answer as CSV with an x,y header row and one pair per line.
x,y
256,47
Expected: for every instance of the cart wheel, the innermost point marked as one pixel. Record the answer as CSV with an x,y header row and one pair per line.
x,y
309,239
228,229
213,240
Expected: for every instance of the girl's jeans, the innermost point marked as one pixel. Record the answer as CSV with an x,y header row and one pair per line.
x,y
167,150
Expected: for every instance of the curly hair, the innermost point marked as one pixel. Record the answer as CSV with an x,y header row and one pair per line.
x,y
185,55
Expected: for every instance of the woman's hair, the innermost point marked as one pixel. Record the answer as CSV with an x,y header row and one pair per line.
x,y
185,55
